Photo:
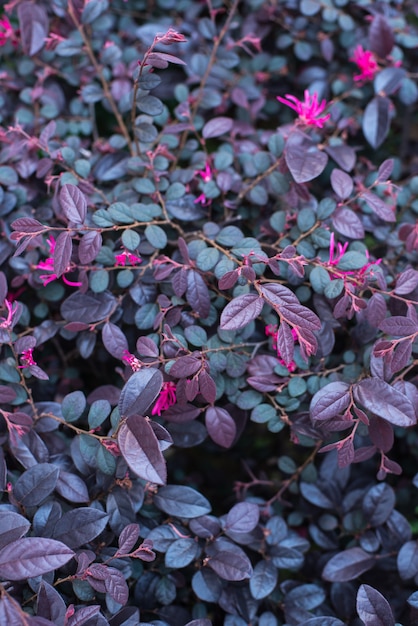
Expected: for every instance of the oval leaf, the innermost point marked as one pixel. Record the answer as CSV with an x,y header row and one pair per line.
x,y
383,400
181,501
140,392
217,126
348,565
221,427
241,311
373,608
141,450
32,556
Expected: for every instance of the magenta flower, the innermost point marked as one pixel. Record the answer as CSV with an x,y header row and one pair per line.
x,y
27,358
6,32
7,322
335,255
48,266
166,398
207,176
309,110
366,62
131,360
127,257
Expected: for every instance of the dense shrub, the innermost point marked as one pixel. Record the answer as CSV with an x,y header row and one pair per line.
x,y
208,319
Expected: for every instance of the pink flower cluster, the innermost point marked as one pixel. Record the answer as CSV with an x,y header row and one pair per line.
x,y
336,252
131,360
207,176
271,331
7,322
7,33
366,62
27,358
166,398
48,266
309,110
125,257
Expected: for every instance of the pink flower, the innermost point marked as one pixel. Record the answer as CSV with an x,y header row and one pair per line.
x,y
48,265
366,62
335,256
7,32
207,176
7,322
166,398
27,358
131,360
309,110
127,257
271,331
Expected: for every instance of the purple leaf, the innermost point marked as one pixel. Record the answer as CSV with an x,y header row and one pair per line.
x,y
87,307
341,183
284,301
207,387
406,282
10,611
228,280
89,246
161,60
385,170
35,484
80,526
141,450
114,340
378,504
330,401
221,427
381,433
376,120
50,603
285,342
384,401
376,309
181,501
146,347
348,565
33,22
180,413
346,222
388,80
128,538
373,608
72,487
401,356
140,391
197,294
381,39
73,203
407,560
12,527
398,326
185,366
264,579
47,133
241,311
116,586
217,126
303,159
81,616
343,155
379,206
230,566
242,518
179,282
28,226
32,556
7,394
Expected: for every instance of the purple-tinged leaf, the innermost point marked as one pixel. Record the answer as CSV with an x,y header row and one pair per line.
x,y
182,552
304,160
128,538
385,170
383,210
10,611
220,425
114,340
407,560
242,518
388,80
179,282
33,23
406,282
345,452
145,346
116,586
264,580
181,501
373,608
28,226
398,326
89,246
313,494
47,133
230,566
163,436
285,342
50,604
35,484
348,565
376,310
378,504
7,394
62,253
140,391
207,387
32,556
228,280
73,203
341,183
185,366
80,526
162,59
343,155
141,450
87,307
241,311
284,301
383,400
181,413
197,294
330,401
381,433
381,38
72,487
81,616
347,223
12,527
217,126
376,121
